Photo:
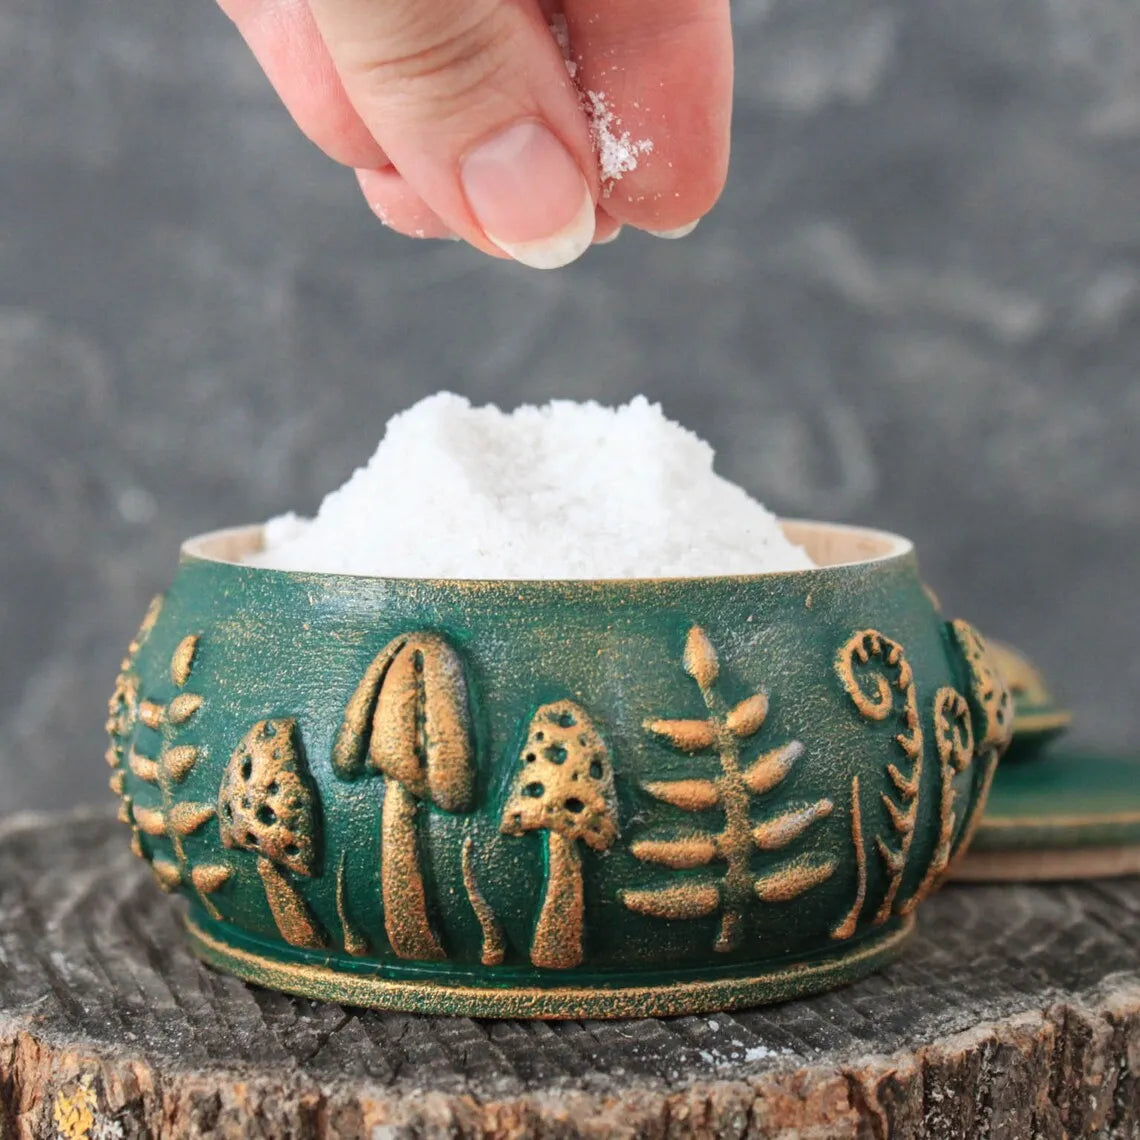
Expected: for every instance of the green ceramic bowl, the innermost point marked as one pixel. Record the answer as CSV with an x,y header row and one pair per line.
x,y
554,799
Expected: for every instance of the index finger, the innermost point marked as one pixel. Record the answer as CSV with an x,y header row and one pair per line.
x,y
657,80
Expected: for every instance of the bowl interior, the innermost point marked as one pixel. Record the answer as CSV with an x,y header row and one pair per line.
x,y
827,544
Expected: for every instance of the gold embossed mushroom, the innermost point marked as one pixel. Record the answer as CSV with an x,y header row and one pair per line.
x,y
408,721
266,806
564,786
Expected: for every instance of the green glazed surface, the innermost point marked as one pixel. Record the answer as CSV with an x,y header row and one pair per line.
x,y
1064,798
763,808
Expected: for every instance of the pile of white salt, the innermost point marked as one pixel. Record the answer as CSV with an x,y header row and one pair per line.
x,y
567,490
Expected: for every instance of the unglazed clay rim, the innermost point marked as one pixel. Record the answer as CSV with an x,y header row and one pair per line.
x,y
228,546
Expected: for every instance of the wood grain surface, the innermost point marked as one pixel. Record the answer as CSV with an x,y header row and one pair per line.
x,y
1014,1013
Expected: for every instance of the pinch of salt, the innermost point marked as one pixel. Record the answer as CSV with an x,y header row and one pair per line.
x,y
567,490
618,153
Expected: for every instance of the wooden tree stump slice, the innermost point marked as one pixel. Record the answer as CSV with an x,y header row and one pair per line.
x,y
1015,1012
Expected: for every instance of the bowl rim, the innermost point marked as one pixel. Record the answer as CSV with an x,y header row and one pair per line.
x,y
228,546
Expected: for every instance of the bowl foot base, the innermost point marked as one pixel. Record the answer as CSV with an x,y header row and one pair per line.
x,y
299,972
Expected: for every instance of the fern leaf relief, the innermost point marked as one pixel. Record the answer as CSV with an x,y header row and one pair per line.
x,y
792,881
679,854
682,902
778,832
688,795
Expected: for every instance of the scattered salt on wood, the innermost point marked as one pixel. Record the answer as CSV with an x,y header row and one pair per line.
x,y
567,490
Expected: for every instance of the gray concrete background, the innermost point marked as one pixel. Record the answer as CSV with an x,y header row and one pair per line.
x,y
918,306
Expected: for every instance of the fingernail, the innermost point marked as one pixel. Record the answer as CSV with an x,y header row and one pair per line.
x,y
422,234
613,237
679,232
529,196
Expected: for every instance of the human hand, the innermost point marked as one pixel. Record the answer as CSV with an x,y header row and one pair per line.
x,y
461,119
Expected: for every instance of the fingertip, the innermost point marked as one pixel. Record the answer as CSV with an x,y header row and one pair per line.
x,y
660,97
477,111
606,229
399,207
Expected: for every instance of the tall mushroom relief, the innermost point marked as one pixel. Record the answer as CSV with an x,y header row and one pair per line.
x,y
408,721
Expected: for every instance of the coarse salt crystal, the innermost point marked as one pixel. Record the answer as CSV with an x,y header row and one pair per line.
x,y
618,153
568,490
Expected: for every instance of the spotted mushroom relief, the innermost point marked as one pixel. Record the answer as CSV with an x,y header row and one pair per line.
x,y
568,490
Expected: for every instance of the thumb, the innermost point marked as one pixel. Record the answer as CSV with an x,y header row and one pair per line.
x,y
471,101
